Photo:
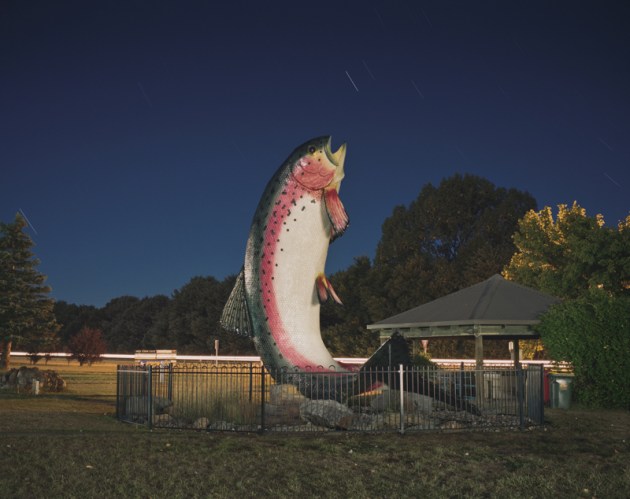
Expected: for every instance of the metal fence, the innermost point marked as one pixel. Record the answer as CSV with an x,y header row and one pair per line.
x,y
249,398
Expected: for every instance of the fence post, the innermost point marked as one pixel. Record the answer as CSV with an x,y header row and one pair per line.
x,y
170,382
519,394
118,392
251,381
149,373
402,401
262,399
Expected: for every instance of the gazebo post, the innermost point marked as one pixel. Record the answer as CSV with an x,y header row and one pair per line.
x,y
479,388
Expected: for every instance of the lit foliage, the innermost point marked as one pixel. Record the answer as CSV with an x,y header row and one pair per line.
x,y
567,256
593,333
87,346
26,311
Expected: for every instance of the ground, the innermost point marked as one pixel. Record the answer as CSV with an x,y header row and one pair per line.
x,y
70,445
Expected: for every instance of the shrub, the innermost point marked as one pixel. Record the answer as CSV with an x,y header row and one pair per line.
x,y
593,333
87,346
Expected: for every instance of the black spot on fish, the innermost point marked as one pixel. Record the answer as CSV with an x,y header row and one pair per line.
x,y
313,201
288,213
303,208
287,230
294,202
284,192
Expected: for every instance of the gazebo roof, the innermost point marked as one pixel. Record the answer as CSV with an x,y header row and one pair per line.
x,y
494,307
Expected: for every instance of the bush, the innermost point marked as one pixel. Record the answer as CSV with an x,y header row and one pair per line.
x,y
87,346
593,333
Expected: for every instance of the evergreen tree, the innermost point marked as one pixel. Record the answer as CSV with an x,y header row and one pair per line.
x,y
26,311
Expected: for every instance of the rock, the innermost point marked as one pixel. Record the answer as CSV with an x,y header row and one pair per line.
x,y
221,426
163,420
327,413
285,395
22,379
135,406
389,400
201,424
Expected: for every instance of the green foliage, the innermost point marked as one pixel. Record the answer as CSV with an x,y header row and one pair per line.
x,y
87,346
26,312
572,254
450,237
191,323
593,333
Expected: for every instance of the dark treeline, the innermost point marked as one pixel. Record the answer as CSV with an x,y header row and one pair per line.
x,y
452,236
187,321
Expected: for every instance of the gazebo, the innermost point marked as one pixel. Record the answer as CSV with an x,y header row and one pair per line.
x,y
495,308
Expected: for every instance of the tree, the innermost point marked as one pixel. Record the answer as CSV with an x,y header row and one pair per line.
x,y
193,319
572,254
87,346
452,236
72,318
26,311
593,333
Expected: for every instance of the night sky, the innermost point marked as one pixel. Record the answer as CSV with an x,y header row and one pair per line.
x,y
137,136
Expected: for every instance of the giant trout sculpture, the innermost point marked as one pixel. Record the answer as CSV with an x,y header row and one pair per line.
x,y
277,295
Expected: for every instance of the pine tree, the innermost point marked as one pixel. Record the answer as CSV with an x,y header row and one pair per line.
x,y
26,311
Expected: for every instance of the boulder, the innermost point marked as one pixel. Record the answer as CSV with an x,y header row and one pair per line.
x,y
138,405
285,395
201,424
327,413
23,380
389,400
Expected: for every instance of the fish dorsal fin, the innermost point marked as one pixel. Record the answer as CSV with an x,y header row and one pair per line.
x,y
235,316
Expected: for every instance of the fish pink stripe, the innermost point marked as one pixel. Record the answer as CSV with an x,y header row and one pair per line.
x,y
272,235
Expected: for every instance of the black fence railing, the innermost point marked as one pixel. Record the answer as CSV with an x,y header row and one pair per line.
x,y
249,398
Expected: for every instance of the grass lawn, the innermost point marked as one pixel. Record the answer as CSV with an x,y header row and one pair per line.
x,y
70,445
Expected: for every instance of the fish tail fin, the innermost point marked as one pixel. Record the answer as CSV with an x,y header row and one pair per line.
x,y
325,290
235,316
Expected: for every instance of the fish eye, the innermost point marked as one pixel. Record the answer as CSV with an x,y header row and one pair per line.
x,y
311,149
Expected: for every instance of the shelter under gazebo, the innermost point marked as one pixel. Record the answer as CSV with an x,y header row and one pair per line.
x,y
495,308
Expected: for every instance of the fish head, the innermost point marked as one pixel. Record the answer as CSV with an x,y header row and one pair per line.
x,y
317,167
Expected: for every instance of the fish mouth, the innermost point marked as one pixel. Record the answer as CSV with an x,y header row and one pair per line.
x,y
336,158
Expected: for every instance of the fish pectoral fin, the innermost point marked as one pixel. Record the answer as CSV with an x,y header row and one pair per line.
x,y
336,213
235,316
325,290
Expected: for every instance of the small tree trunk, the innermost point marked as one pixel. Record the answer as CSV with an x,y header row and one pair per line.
x,y
5,356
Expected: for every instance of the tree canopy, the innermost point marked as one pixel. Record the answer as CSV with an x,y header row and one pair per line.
x,y
452,236
571,254
26,311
